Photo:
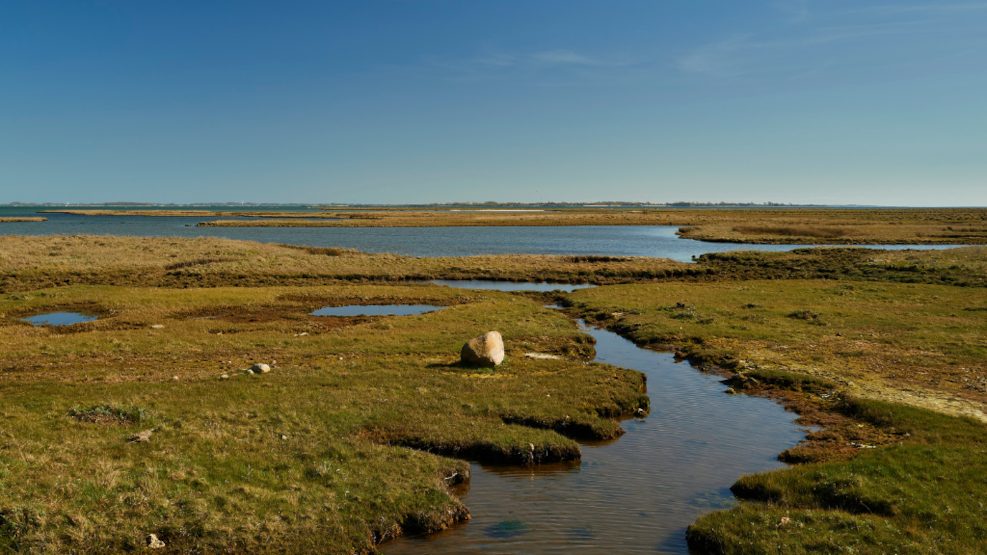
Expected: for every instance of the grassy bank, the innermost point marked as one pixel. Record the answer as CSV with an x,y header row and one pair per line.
x,y
917,344
879,477
313,456
920,495
35,262
965,266
12,219
45,261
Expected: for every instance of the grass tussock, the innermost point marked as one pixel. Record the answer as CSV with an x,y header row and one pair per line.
x,y
109,414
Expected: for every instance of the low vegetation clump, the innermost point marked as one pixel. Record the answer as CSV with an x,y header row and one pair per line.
x,y
14,219
108,414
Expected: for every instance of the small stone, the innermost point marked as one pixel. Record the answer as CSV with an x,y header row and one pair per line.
x,y
174,378
284,436
141,437
729,391
261,368
248,371
154,543
224,377
484,350
542,356
157,327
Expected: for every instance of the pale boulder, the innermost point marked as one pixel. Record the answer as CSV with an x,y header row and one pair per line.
x,y
484,350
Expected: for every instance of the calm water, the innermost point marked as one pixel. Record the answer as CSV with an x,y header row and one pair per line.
x,y
636,494
59,319
376,310
509,285
655,241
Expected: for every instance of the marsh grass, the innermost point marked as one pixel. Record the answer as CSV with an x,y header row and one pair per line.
x,y
31,263
922,494
344,444
879,477
966,266
816,232
892,337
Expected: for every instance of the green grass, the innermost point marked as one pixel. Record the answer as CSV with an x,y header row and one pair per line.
x,y
923,495
889,336
922,491
345,443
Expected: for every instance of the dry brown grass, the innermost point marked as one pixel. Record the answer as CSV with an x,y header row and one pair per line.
x,y
817,232
41,261
840,227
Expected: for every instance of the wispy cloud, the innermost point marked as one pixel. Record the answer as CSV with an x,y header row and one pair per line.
x,y
797,10
923,8
547,58
782,50
490,64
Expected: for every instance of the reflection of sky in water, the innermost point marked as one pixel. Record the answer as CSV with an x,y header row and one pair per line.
x,y
633,495
376,310
59,319
656,241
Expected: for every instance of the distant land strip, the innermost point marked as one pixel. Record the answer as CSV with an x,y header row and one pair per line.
x,y
187,213
22,219
782,226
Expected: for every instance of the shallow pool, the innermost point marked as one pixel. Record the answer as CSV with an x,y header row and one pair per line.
x,y
59,319
376,310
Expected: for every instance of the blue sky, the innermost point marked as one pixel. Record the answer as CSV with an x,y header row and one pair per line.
x,y
396,101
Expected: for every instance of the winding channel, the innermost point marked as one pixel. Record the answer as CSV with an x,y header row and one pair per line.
x,y
633,495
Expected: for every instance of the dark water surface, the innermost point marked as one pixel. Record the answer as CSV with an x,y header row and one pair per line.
x,y
59,319
654,241
376,310
509,285
633,495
